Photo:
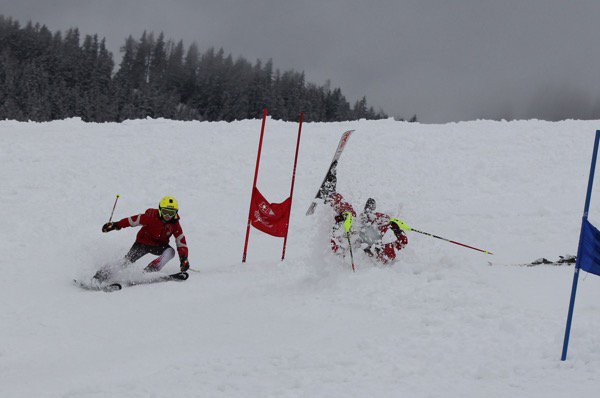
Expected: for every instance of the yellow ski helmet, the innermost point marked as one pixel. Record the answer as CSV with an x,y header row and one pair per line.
x,y
168,206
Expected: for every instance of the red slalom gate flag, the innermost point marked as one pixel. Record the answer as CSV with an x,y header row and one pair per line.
x,y
270,218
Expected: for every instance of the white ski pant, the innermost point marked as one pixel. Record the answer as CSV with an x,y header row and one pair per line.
x,y
164,253
161,261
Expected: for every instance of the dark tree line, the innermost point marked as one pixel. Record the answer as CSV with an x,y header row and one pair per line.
x,y
47,76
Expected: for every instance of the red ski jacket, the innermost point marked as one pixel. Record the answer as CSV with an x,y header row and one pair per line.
x,y
155,231
381,222
373,227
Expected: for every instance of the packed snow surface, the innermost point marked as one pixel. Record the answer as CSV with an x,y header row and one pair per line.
x,y
443,321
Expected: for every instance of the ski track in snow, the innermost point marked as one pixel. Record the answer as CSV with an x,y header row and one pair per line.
x,y
441,322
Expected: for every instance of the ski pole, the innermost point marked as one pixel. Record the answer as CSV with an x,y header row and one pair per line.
x,y
113,210
402,225
350,248
347,226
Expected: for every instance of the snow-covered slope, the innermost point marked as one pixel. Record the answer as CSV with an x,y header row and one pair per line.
x,y
441,322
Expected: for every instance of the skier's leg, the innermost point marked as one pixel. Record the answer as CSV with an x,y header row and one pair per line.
x,y
137,250
157,264
388,254
338,241
335,247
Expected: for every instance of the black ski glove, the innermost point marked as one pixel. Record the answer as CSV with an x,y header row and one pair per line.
x,y
395,228
110,226
400,235
184,265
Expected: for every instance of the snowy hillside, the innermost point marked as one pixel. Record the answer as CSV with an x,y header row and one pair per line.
x,y
443,321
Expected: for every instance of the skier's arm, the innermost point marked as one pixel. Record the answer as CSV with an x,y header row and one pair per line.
x,y
134,221
182,248
395,225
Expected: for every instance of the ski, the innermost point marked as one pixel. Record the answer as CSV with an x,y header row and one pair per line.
x,y
562,260
113,287
329,181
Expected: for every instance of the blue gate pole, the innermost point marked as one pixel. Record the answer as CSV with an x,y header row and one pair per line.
x,y
586,208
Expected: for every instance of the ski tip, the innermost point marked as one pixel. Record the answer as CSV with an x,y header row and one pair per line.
x,y
112,287
181,276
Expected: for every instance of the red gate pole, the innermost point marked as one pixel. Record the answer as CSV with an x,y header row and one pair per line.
x,y
292,188
260,141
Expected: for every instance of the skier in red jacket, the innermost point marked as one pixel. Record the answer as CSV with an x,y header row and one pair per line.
x,y
158,225
373,228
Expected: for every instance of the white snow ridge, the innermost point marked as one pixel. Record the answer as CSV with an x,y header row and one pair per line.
x,y
441,322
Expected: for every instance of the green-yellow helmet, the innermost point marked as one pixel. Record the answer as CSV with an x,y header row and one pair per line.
x,y
168,207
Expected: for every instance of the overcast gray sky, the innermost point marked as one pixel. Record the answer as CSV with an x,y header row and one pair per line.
x,y
441,59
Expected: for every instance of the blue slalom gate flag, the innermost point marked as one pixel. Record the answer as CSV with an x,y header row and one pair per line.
x,y
588,252
589,256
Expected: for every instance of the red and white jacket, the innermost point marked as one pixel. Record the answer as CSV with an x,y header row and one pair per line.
x,y
380,223
373,227
156,231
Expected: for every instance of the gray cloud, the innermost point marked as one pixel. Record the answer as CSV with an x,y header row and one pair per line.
x,y
444,60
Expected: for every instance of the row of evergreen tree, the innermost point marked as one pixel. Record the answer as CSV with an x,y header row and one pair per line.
x,y
47,76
